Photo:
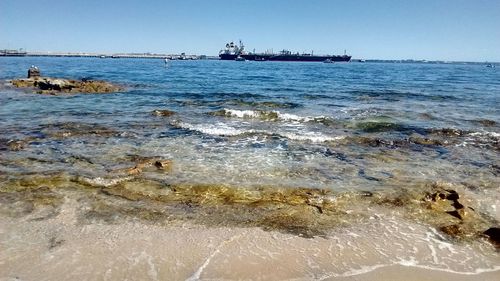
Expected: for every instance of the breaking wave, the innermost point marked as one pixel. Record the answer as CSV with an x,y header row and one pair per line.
x,y
225,130
272,115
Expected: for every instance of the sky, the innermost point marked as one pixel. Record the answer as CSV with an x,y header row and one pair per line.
x,y
463,30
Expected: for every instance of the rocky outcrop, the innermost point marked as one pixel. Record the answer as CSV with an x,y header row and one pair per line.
x,y
47,85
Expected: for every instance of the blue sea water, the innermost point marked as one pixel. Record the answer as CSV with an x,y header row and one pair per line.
x,y
248,144
341,126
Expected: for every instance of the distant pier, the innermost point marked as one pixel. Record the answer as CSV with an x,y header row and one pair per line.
x,y
182,56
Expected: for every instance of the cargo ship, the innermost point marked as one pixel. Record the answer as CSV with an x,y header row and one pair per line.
x,y
237,52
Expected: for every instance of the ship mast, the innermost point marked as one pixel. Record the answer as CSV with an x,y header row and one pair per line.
x,y
242,47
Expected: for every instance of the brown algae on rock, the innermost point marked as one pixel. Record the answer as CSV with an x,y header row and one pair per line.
x,y
41,202
301,211
440,206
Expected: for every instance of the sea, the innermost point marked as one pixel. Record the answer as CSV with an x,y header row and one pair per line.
x,y
247,130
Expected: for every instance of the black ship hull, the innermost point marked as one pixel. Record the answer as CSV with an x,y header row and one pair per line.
x,y
269,57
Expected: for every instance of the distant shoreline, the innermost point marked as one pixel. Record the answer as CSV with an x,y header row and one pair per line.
x,y
182,56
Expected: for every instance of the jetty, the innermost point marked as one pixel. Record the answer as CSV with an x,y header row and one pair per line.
x,y
182,56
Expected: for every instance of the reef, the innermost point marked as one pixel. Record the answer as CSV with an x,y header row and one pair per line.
x,y
306,212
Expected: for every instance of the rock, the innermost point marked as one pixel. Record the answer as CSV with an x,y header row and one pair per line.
x,y
16,145
453,230
33,72
459,214
425,141
54,84
426,116
163,164
159,164
447,201
163,113
486,122
448,132
48,85
377,126
493,234
75,129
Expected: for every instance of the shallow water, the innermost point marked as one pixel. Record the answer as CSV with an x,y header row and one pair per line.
x,y
257,138
299,124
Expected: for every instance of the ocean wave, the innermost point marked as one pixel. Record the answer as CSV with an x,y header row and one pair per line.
x,y
312,137
483,139
218,129
272,115
485,134
225,130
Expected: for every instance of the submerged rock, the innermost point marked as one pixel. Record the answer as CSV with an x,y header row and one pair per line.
x,y
306,212
163,113
377,126
48,85
76,129
426,116
426,141
39,202
144,163
486,122
13,145
441,206
447,132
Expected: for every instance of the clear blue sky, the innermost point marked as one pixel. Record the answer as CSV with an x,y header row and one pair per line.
x,y
385,29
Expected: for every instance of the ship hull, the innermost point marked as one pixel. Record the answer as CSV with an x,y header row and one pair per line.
x,y
266,57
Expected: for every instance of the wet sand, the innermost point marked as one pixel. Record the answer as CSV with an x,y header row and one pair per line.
x,y
62,248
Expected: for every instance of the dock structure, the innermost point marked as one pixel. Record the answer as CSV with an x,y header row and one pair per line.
x,y
182,56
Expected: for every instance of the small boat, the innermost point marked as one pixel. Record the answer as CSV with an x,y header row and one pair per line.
x,y
239,58
328,61
490,65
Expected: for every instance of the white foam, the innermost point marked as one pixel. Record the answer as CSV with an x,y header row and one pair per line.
x,y
104,182
486,134
218,129
262,114
242,113
222,129
290,117
473,272
311,136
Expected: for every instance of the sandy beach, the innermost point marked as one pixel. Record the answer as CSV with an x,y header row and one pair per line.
x,y
62,248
